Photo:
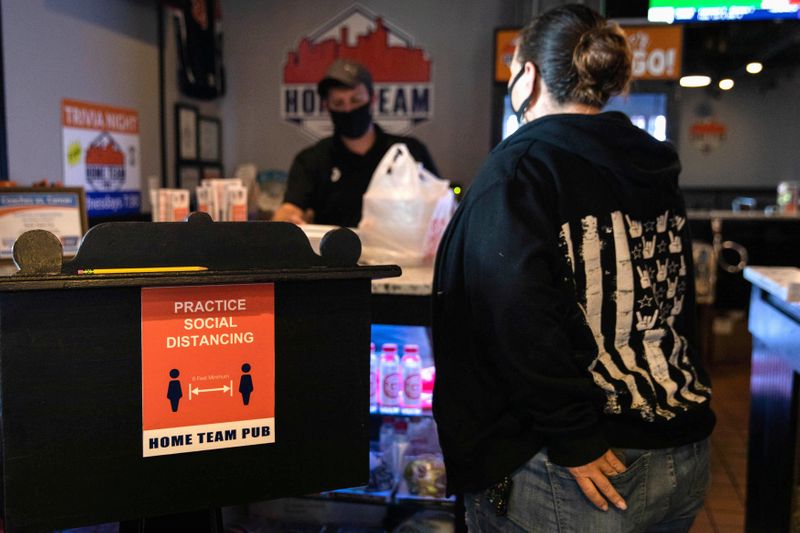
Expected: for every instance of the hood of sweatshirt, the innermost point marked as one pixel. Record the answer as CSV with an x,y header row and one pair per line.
x,y
641,167
611,141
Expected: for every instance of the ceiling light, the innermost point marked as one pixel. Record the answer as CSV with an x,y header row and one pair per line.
x,y
695,81
726,84
754,68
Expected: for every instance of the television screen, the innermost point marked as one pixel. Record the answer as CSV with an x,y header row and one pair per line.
x,y
719,10
646,110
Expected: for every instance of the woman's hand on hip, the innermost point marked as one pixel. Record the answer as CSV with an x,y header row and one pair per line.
x,y
592,478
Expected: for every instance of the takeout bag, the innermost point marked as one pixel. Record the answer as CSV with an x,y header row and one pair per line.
x,y
406,210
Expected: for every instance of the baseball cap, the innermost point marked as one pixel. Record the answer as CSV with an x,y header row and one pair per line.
x,y
344,72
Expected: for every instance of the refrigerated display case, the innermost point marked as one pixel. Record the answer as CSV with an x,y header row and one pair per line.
x,y
403,443
403,438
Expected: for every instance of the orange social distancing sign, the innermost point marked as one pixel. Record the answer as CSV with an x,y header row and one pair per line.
x,y
208,367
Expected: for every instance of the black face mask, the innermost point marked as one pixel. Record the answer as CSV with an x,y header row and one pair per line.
x,y
524,106
352,124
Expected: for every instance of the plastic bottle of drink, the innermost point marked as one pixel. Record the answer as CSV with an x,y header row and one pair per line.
x,y
386,435
399,449
373,379
391,377
412,380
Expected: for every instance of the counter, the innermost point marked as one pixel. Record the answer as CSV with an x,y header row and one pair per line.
x,y
414,281
405,300
723,214
774,322
781,282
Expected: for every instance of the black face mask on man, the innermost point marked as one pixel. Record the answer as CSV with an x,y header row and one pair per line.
x,y
520,111
352,124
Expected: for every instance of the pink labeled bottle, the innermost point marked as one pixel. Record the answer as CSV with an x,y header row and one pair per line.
x,y
412,378
391,378
373,379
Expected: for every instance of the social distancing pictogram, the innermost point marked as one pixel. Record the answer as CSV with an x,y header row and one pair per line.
x,y
208,367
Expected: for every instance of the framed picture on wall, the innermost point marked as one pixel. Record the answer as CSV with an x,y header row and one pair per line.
x,y
210,139
212,172
188,176
59,210
186,132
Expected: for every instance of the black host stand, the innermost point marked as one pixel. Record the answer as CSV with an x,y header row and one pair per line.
x,y
71,375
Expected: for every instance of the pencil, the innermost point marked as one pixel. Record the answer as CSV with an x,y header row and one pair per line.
x,y
141,270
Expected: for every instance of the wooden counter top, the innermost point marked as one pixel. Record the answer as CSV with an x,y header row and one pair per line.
x,y
781,282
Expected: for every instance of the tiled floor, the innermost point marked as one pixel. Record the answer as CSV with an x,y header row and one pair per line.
x,y
724,509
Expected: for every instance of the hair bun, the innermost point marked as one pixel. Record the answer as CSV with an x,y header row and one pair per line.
x,y
580,56
602,62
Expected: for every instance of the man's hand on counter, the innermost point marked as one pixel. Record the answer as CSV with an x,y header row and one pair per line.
x,y
291,213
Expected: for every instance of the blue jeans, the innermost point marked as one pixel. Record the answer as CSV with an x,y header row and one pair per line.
x,y
664,490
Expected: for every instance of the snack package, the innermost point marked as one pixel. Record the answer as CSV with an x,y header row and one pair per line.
x,y
169,205
214,197
236,203
204,200
179,205
425,476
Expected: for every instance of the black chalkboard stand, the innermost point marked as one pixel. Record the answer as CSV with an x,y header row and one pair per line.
x,y
71,384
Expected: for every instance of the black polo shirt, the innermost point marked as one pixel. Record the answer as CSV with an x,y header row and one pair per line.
x,y
331,180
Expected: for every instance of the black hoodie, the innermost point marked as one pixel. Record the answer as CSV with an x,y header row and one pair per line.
x,y
564,304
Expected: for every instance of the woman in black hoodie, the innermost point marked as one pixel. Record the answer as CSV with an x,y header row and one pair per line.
x,y
564,328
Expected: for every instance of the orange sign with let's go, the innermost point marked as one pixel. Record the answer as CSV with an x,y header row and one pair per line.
x,y
656,51
504,45
208,367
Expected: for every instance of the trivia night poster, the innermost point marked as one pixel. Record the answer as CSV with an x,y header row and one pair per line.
x,y
101,154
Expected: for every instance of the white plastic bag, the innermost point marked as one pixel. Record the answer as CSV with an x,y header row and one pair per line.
x,y
406,209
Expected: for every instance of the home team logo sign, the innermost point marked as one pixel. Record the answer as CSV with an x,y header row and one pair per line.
x,y
208,368
401,73
105,163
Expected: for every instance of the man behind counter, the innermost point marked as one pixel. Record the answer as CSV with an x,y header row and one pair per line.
x,y
328,180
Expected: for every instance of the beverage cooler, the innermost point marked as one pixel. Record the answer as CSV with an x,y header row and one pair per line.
x,y
407,480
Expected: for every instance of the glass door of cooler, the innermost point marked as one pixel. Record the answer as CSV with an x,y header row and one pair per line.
x,y
401,370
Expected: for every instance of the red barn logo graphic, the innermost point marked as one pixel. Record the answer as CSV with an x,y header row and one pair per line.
x,y
401,72
105,164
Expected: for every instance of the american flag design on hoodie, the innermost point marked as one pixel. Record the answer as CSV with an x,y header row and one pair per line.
x,y
631,281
